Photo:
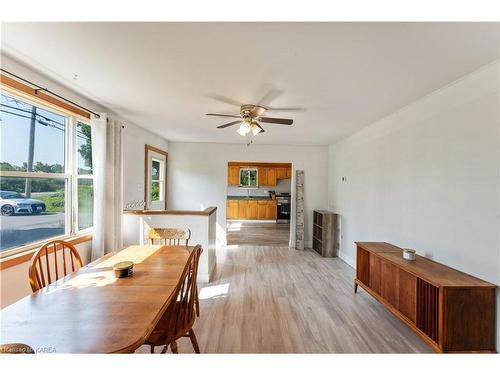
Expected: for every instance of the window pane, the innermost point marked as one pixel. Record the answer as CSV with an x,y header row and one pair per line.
x,y
85,203
244,180
155,191
253,177
32,138
32,209
84,148
155,170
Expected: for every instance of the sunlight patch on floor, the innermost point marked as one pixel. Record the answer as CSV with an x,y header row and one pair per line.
x,y
214,291
234,227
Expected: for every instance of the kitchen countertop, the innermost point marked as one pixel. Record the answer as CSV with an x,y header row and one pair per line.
x,y
262,198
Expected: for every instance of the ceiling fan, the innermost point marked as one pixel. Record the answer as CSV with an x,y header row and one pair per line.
x,y
250,118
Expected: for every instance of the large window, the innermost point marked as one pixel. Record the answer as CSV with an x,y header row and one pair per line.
x,y
46,174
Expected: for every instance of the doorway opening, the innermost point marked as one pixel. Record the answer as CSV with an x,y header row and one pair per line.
x,y
258,203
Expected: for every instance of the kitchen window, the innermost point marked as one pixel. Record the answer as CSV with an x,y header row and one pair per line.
x,y
248,177
46,174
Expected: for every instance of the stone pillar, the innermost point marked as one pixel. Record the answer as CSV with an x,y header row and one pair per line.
x,y
299,210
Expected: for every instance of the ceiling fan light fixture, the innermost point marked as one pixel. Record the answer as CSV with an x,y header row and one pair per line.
x,y
244,129
256,129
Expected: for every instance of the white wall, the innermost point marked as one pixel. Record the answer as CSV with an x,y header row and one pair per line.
x,y
197,176
134,141
427,177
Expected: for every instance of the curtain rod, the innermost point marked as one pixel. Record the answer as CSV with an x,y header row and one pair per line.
x,y
40,88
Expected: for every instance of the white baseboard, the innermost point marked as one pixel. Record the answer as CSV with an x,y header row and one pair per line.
x,y
350,261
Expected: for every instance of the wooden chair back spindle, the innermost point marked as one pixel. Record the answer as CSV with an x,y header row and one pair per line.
x,y
41,276
170,236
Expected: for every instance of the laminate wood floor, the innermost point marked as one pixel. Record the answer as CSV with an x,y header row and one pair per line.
x,y
270,234
272,299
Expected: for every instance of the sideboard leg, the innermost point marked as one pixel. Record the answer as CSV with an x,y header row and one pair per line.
x,y
355,287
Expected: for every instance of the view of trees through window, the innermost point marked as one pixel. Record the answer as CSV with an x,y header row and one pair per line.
x,y
155,180
248,177
35,181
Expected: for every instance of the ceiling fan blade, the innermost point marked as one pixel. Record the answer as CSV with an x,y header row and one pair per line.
x,y
272,120
226,100
269,97
228,124
260,127
221,115
289,109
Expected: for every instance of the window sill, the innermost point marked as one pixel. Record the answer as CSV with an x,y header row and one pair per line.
x,y
25,256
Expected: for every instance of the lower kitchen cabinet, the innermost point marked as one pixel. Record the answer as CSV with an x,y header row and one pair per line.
x,y
251,209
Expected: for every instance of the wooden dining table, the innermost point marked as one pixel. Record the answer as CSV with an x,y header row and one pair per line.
x,y
92,311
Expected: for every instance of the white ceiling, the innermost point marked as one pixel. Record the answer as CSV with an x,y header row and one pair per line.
x,y
166,76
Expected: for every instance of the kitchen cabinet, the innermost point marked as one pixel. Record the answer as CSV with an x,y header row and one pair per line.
x,y
251,209
281,173
271,211
289,173
232,209
261,209
263,176
242,209
271,177
233,175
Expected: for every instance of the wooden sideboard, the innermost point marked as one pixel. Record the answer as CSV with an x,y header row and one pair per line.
x,y
451,310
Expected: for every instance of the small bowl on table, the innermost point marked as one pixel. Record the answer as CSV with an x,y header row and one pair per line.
x,y
409,254
123,269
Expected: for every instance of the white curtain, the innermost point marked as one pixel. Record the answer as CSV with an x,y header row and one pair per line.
x,y
108,185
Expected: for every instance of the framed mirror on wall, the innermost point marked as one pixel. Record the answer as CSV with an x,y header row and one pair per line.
x,y
155,178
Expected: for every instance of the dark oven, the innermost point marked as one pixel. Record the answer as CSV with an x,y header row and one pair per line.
x,y
283,209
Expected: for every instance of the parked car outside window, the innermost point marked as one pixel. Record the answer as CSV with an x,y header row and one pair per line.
x,y
15,203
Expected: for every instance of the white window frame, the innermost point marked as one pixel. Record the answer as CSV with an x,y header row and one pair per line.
x,y
161,180
256,178
70,172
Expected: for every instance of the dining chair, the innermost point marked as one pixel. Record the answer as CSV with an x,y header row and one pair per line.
x,y
45,271
16,348
174,237
178,319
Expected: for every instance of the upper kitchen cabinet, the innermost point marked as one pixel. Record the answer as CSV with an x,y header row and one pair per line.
x,y
263,176
271,177
281,173
259,174
233,175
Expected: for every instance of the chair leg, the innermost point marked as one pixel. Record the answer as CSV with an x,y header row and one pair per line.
x,y
173,346
152,349
164,350
192,336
